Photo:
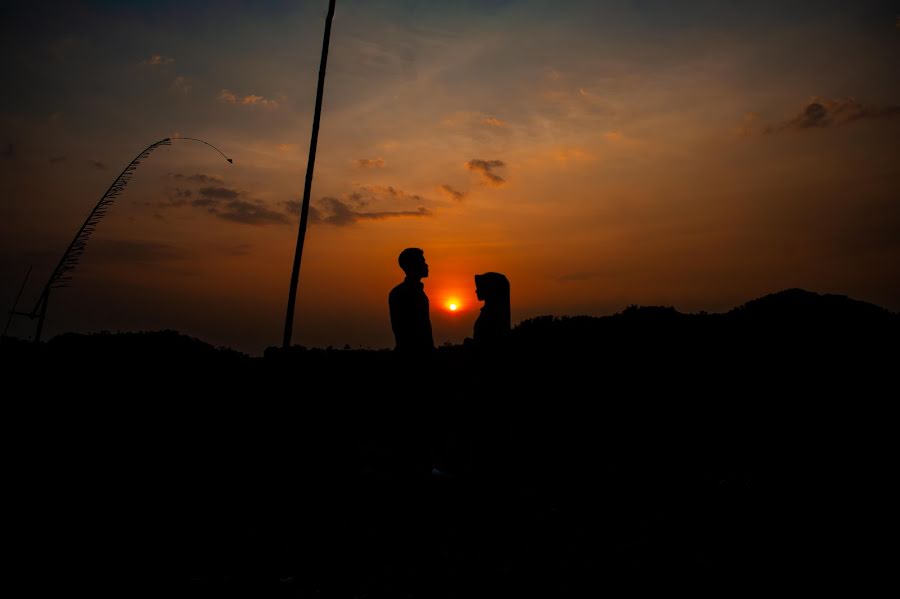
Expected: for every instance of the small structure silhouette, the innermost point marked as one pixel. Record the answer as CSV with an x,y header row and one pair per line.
x,y
410,317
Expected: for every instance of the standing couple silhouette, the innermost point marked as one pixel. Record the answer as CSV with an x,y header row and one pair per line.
x,y
410,313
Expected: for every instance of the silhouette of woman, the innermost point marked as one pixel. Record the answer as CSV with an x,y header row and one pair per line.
x,y
493,324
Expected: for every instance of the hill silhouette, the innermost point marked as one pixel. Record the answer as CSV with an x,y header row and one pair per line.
x,y
738,449
789,311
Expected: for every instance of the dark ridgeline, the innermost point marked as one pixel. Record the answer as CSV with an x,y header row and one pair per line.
x,y
738,449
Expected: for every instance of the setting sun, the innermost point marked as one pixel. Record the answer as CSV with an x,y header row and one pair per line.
x,y
453,307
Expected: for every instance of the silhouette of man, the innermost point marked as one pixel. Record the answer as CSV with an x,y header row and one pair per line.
x,y
410,318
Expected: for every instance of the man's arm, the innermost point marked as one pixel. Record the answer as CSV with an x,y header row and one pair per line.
x,y
399,315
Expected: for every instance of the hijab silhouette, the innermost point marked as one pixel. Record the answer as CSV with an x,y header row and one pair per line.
x,y
493,324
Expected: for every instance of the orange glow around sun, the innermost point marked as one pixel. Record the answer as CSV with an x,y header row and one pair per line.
x,y
453,305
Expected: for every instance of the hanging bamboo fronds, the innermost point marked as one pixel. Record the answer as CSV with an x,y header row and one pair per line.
x,y
62,274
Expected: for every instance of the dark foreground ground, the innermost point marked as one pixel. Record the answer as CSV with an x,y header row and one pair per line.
x,y
751,451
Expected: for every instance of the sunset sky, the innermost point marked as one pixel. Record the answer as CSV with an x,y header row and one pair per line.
x,y
696,154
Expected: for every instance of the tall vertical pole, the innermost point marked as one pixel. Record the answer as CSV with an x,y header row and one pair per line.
x,y
304,210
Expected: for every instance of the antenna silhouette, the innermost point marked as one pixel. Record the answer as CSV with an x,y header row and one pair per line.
x,y
304,210
62,274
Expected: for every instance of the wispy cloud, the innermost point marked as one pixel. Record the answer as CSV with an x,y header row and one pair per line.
x,y
157,59
473,120
820,113
57,159
749,124
230,97
578,276
486,169
384,192
573,154
181,84
176,197
250,213
98,165
121,251
199,178
219,193
454,194
332,211
370,162
241,249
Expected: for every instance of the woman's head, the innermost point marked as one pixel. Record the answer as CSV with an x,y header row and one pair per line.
x,y
494,322
492,287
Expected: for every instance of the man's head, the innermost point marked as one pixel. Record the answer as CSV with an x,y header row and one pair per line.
x,y
412,261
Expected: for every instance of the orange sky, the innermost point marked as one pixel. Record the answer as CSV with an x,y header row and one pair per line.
x,y
598,156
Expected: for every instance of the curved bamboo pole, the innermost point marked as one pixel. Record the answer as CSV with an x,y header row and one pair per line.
x,y
61,275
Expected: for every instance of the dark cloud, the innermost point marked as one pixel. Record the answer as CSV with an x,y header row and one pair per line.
x,y
233,205
370,163
219,193
98,165
383,192
358,199
121,251
486,168
820,113
204,202
250,213
224,202
57,159
338,213
8,152
199,178
454,194
177,197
